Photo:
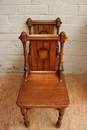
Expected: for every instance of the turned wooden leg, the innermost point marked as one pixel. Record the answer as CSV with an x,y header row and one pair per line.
x,y
25,117
61,113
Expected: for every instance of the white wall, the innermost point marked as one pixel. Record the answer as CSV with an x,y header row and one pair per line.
x,y
13,16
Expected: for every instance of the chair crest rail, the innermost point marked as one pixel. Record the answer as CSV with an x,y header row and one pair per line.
x,y
31,22
31,37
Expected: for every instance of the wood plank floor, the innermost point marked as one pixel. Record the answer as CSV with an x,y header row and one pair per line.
x,y
75,117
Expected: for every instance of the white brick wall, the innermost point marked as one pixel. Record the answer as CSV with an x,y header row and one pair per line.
x,y
13,16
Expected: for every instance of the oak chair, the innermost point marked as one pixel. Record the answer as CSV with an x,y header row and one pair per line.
x,y
43,84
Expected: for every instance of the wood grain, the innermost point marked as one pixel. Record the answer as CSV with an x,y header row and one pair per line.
x,y
43,90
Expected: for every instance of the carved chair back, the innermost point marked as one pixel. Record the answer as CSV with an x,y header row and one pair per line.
x,y
43,53
43,47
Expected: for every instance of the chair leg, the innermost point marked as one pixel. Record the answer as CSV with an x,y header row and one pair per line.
x,y
61,113
25,117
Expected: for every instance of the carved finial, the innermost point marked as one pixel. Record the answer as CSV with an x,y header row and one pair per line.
x,y
58,22
63,37
29,22
23,37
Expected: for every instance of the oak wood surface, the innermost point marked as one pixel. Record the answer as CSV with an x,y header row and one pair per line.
x,y
49,63
47,25
43,84
43,90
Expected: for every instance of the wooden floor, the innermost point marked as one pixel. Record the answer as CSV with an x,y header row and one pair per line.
x,y
75,117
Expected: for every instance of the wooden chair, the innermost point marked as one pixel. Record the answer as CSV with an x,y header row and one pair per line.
x,y
43,85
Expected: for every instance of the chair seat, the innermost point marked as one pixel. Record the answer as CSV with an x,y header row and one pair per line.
x,y
43,90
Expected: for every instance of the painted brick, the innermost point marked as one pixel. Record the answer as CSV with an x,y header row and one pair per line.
x,y
43,2
14,57
13,66
75,70
5,44
12,28
18,51
2,58
22,9
15,2
11,51
63,10
5,28
76,20
11,9
75,52
74,2
17,19
82,10
17,44
10,44
73,29
14,63
9,37
33,9
83,30
76,45
80,61
74,64
7,51
73,59
36,9
4,20
78,38
46,17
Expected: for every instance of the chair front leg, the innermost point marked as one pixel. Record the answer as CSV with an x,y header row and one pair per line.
x,y
61,113
25,117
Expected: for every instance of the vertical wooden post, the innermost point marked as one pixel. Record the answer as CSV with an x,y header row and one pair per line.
x,y
23,38
58,23
63,37
29,23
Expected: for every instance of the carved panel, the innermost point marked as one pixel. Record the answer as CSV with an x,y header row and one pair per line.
x,y
43,53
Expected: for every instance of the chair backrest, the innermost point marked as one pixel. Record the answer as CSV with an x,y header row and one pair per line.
x,y
43,46
43,55
43,26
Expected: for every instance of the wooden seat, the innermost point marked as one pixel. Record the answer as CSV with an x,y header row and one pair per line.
x,y
43,85
43,90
